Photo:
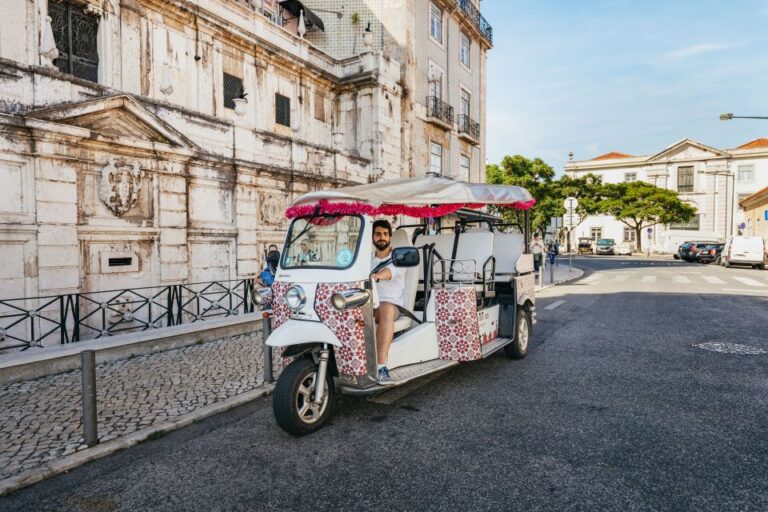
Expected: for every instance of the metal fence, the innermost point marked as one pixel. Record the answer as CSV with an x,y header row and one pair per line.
x,y
35,322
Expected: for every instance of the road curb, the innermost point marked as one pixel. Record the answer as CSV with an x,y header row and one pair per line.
x,y
579,275
74,460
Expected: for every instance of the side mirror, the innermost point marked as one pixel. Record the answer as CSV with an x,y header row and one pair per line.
x,y
405,257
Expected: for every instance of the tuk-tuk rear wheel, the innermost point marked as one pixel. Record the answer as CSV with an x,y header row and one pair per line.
x,y
293,400
518,349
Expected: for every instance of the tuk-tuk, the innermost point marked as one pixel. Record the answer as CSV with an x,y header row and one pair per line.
x,y
469,291
585,245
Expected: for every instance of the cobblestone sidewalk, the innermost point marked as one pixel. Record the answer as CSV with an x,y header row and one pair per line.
x,y
41,418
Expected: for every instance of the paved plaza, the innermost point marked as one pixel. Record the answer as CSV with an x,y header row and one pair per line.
x,y
42,417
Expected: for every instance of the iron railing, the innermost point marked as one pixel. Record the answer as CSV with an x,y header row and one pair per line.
x,y
35,322
469,126
477,19
439,109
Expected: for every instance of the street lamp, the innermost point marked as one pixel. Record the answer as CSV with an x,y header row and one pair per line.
x,y
728,116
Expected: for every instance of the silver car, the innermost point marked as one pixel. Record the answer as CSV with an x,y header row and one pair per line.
x,y
605,246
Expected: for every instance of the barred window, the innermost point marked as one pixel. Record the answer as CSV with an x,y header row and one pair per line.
x,y
232,87
685,179
282,110
75,34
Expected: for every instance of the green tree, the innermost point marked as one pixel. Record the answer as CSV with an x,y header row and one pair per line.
x,y
533,174
538,177
640,205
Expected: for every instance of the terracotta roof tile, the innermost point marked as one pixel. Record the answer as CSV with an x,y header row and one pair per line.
x,y
757,143
612,154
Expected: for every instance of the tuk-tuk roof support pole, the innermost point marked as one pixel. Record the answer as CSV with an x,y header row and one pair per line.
x,y
527,229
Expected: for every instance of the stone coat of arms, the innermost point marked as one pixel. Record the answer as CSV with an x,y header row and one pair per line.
x,y
120,186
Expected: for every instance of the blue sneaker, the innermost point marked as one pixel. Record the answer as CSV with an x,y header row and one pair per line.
x,y
384,377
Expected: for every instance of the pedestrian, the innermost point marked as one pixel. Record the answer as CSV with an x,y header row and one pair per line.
x,y
551,252
537,249
557,251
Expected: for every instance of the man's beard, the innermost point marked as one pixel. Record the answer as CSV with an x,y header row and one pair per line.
x,y
381,244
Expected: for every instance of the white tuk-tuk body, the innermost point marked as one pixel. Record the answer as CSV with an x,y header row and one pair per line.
x,y
463,297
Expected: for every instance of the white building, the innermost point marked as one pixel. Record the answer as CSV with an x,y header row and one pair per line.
x,y
712,180
127,158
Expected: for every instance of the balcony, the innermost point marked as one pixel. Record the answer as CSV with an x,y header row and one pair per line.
x,y
477,19
439,112
468,128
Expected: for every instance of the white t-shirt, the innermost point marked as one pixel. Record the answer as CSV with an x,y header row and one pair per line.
x,y
390,290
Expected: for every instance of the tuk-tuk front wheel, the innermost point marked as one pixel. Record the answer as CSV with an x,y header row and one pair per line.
x,y
293,402
518,349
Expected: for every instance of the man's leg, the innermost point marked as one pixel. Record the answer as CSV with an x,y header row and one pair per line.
x,y
385,314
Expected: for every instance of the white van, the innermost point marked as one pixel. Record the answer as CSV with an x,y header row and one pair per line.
x,y
744,250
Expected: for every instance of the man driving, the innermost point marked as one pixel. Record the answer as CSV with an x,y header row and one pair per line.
x,y
390,283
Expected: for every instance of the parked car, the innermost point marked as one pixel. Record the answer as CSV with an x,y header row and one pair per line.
x,y
605,246
745,250
624,249
710,253
689,250
585,245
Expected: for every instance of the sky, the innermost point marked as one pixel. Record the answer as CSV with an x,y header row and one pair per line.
x,y
594,76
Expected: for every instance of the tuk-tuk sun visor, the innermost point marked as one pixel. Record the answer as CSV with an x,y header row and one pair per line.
x,y
324,207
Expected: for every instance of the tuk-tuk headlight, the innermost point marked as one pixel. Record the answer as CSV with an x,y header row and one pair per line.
x,y
349,299
261,295
295,297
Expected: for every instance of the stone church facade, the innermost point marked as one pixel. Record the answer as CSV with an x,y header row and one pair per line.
x,y
128,158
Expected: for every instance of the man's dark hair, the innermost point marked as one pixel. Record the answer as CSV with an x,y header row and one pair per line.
x,y
383,223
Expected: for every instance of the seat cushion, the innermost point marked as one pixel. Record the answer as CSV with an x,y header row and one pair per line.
x,y
402,323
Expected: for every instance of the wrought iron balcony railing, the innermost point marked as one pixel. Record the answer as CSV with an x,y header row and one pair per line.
x,y
468,126
438,109
471,12
35,322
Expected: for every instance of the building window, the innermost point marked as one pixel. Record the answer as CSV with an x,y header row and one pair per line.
x,y
75,34
465,103
629,235
435,158
436,84
465,46
282,110
233,87
685,179
746,173
630,177
692,225
465,167
596,234
436,23
319,106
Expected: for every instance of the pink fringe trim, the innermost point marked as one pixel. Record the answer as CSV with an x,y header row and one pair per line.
x,y
420,212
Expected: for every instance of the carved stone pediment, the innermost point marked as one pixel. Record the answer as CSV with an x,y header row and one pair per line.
x,y
114,117
687,149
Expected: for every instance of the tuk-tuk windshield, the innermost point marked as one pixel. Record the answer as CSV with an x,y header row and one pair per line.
x,y
323,241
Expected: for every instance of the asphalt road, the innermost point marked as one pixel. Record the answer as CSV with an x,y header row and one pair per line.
x,y
613,409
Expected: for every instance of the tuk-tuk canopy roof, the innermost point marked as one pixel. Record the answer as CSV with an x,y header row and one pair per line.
x,y
414,197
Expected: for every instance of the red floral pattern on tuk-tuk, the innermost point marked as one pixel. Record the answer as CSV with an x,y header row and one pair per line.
x,y
456,320
347,325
